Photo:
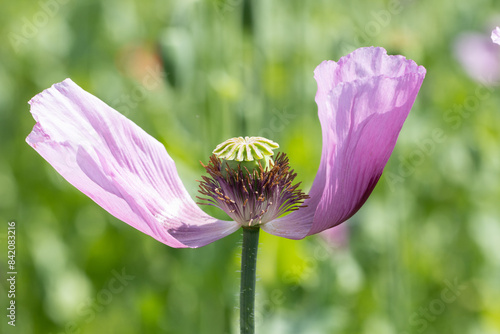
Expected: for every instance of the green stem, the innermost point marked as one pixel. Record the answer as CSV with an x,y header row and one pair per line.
x,y
247,290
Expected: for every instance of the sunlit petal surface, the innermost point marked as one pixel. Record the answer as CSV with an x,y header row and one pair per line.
x,y
363,101
119,166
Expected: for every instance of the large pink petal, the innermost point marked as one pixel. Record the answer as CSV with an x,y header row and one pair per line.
x,y
363,101
119,166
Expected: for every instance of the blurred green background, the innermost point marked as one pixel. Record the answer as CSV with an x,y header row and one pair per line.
x,y
423,254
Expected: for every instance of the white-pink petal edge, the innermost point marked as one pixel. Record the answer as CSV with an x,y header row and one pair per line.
x,y
495,35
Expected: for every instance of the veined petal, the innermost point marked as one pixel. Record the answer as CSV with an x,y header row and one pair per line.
x,y
495,35
119,166
363,101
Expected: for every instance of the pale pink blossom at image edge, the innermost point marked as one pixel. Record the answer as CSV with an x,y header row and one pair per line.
x,y
479,57
363,101
495,35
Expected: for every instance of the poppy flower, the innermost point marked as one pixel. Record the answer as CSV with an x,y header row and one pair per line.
x,y
363,101
479,58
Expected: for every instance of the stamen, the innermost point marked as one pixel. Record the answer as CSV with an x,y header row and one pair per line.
x,y
252,197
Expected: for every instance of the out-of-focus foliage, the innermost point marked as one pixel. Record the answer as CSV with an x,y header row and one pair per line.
x,y
422,255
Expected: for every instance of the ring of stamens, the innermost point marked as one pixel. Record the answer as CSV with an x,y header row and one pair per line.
x,y
252,197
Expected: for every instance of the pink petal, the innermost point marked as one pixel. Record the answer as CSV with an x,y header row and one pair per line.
x,y
119,166
363,101
479,57
495,35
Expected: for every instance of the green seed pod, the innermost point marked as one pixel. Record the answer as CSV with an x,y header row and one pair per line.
x,y
246,153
